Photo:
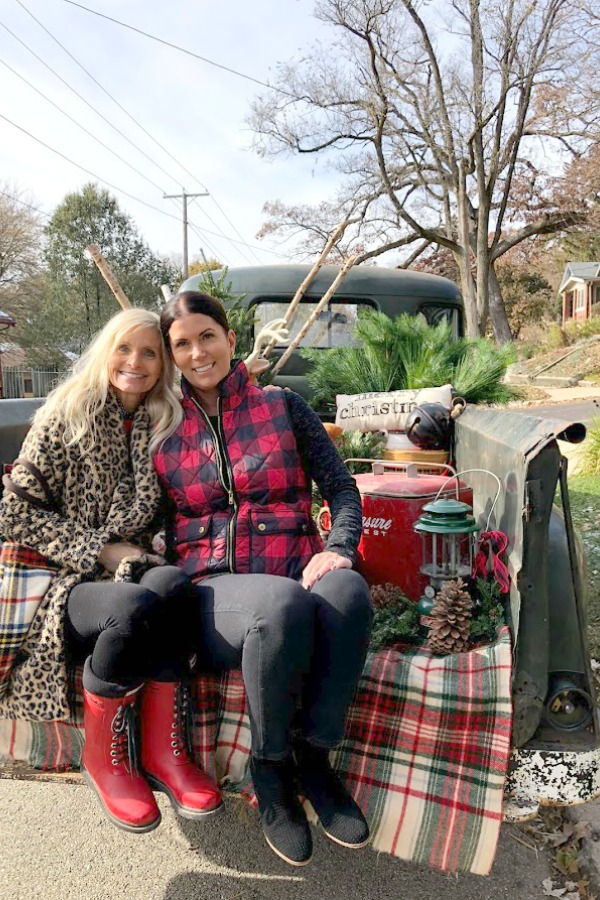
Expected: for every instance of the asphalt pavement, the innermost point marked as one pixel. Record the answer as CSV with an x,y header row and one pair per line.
x,y
55,844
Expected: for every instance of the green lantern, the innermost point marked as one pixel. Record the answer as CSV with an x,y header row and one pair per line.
x,y
449,533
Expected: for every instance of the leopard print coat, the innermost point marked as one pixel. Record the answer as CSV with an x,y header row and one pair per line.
x,y
109,494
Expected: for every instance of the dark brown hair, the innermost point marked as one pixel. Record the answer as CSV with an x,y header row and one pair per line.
x,y
188,303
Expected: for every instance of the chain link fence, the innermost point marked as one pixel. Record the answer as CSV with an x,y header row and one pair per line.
x,y
18,382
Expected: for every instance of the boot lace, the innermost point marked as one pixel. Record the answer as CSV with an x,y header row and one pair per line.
x,y
123,747
181,734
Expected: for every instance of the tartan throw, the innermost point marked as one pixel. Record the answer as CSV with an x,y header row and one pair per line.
x,y
425,752
25,576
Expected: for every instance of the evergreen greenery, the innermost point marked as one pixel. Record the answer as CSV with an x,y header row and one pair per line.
x,y
76,301
591,449
356,445
488,612
395,620
406,352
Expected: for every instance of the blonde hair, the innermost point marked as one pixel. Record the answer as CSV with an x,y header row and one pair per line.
x,y
79,399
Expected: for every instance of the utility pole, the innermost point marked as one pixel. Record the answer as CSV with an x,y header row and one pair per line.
x,y
184,196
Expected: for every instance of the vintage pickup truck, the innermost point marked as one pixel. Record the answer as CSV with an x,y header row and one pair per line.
x,y
555,755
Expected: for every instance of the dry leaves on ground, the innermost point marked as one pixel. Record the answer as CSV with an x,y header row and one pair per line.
x,y
551,830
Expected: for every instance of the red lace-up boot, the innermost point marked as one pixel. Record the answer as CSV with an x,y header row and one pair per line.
x,y
108,762
165,757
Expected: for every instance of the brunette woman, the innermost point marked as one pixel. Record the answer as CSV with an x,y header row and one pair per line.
x,y
292,614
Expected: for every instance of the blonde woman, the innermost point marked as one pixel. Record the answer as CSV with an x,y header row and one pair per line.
x,y
84,494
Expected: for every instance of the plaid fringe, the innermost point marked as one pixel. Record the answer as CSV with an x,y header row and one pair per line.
x,y
425,752
25,576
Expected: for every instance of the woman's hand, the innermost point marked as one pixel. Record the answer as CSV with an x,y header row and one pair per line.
x,y
112,554
320,564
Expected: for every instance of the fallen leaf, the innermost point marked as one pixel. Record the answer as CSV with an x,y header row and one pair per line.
x,y
550,890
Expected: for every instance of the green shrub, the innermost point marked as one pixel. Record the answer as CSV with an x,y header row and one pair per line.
x,y
406,352
590,463
526,350
555,336
356,445
586,328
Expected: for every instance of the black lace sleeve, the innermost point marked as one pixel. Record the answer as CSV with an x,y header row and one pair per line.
x,y
323,464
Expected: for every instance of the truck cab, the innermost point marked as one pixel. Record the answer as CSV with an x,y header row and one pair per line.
x,y
268,290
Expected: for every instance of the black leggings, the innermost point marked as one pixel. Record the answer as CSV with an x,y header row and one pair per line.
x,y
133,632
301,651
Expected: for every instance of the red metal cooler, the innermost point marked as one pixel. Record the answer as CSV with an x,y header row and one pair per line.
x,y
389,550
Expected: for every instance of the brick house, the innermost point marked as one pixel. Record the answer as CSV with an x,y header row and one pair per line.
x,y
580,291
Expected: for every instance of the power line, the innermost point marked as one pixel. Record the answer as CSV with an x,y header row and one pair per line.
x,y
227,219
184,196
28,205
108,94
233,241
88,171
139,125
210,246
77,94
79,125
115,187
204,59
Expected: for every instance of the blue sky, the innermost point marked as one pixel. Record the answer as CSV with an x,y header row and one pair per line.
x,y
194,110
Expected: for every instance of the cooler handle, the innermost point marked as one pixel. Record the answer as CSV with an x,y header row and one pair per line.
x,y
411,468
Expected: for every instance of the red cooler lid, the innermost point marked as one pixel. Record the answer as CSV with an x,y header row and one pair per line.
x,y
392,484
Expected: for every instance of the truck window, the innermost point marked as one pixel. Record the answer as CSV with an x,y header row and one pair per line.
x,y
433,315
333,328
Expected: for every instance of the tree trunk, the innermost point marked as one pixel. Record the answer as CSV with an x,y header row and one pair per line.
x,y
498,316
462,257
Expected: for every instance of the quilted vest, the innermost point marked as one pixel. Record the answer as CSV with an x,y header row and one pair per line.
x,y
263,523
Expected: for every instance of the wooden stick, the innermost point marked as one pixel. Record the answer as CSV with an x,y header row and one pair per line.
x,y
108,276
291,310
313,316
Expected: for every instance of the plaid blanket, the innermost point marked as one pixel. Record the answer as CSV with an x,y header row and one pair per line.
x,y
25,576
425,752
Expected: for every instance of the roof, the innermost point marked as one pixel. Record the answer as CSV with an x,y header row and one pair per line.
x,y
367,280
579,271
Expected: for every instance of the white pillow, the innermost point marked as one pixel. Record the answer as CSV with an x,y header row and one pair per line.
x,y
386,410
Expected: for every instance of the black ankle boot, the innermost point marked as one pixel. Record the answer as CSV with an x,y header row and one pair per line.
x,y
282,817
338,813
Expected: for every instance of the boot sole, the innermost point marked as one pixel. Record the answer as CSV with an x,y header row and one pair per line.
x,y
331,836
336,840
136,829
184,811
291,862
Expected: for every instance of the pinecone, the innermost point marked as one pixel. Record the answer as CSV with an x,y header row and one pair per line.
x,y
383,595
451,619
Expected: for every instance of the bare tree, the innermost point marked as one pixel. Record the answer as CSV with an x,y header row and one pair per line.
x,y
451,124
20,237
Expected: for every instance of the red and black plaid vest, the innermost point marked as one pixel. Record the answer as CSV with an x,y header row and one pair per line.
x,y
263,524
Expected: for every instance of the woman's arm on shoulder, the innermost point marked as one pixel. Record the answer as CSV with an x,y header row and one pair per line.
x,y
324,465
61,539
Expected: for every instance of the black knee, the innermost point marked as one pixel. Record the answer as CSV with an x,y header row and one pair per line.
x,y
166,581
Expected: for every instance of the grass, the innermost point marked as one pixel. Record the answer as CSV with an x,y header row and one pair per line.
x,y
584,494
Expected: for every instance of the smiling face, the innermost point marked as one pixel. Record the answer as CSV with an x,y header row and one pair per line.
x,y
202,350
135,365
